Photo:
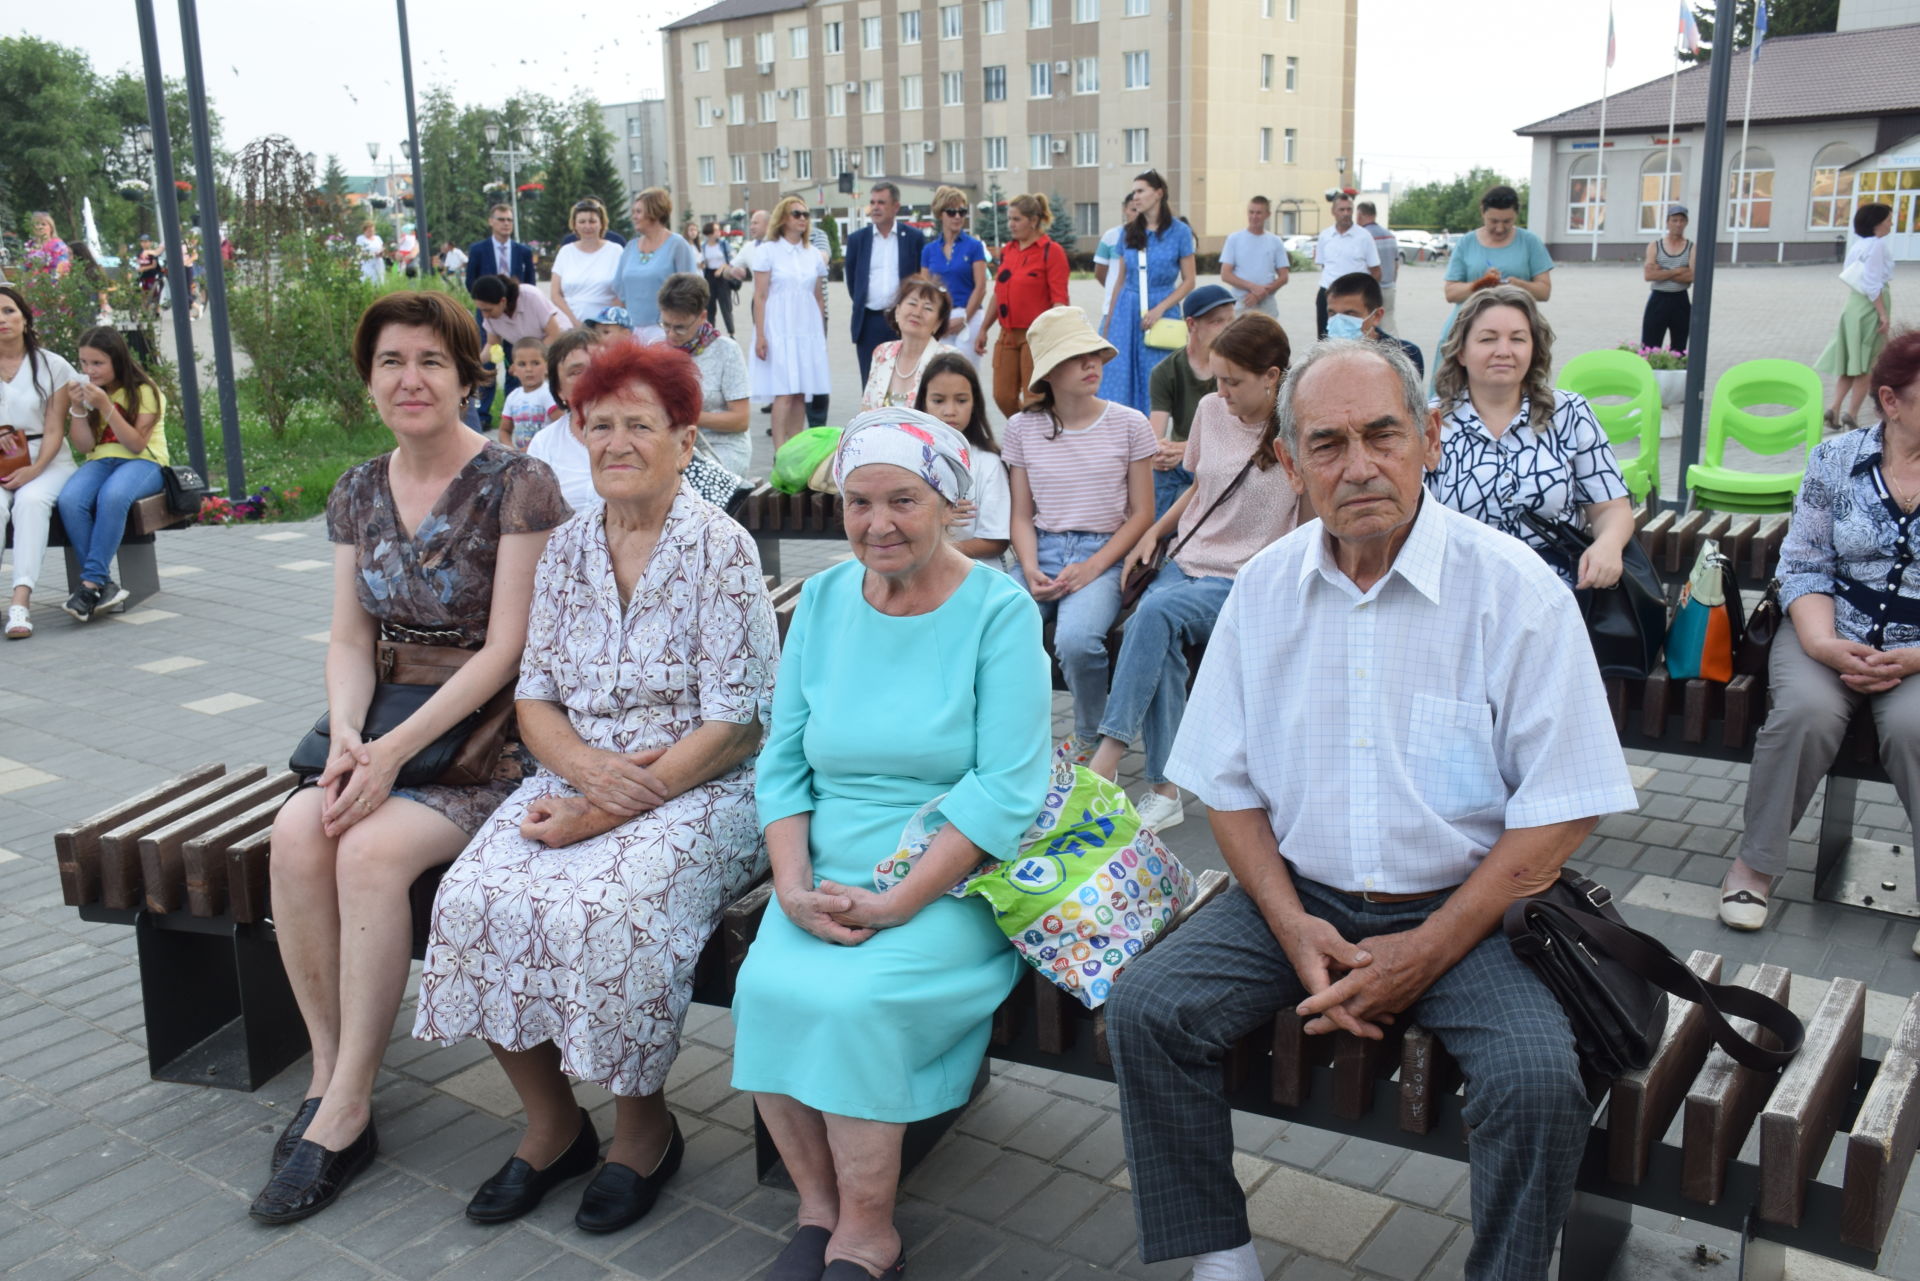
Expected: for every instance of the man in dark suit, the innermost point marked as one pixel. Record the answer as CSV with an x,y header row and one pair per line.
x,y
497,255
878,257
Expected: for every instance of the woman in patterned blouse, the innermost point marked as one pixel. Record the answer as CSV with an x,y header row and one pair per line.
x,y
1510,442
1851,638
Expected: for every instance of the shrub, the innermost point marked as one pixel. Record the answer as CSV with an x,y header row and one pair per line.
x,y
65,307
1658,357
294,317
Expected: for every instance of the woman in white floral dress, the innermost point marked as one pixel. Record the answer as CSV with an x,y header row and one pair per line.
x,y
567,932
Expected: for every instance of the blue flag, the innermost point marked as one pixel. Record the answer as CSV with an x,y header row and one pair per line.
x,y
1759,28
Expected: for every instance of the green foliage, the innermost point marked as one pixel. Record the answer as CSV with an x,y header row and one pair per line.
x,y
308,456
599,176
65,307
1454,204
1784,18
1061,230
293,314
992,228
831,226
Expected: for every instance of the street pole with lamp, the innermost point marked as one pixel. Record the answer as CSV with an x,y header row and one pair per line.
x,y
423,254
512,155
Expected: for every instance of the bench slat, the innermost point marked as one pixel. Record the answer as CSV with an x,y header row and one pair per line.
x,y
1880,1149
1683,543
1294,1056
1053,1015
1739,540
1722,1103
1744,710
248,886
1800,1119
77,848
163,873
1358,1065
1654,693
1642,1103
1766,548
120,880
1698,710
1427,1074
204,857
740,925
1653,535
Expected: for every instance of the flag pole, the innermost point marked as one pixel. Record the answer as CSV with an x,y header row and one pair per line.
x,y
1744,186
1668,196
1601,171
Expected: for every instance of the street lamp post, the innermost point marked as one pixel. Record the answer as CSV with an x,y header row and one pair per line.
x,y
512,155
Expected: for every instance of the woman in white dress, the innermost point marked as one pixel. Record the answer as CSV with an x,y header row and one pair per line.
x,y
789,364
583,271
373,267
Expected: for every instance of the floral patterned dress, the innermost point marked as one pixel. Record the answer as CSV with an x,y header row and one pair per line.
x,y
435,586
592,946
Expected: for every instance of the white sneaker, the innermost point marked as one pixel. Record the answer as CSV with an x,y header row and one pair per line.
x,y
19,622
1160,812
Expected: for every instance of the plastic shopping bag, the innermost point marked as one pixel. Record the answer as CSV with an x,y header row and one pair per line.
x,y
795,462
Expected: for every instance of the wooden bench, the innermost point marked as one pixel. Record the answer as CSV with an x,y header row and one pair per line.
x,y
770,516
139,568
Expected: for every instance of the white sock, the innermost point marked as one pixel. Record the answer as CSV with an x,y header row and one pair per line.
x,y
1239,1264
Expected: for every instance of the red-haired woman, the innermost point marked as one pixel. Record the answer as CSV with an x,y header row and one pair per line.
x,y
566,933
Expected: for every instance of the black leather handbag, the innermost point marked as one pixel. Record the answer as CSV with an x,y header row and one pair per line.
x,y
1627,622
184,488
391,704
1613,982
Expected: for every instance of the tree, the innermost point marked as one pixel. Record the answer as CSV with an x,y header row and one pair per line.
x,y
992,228
599,176
1453,204
1784,18
333,193
1061,230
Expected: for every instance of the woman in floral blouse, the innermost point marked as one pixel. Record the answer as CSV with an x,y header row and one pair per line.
x,y
919,314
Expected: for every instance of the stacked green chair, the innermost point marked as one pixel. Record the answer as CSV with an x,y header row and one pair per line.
x,y
1622,373
1718,487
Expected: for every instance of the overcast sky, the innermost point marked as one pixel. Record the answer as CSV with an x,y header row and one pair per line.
x,y
1441,87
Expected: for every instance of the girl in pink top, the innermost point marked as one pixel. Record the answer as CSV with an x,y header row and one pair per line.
x,y
1081,477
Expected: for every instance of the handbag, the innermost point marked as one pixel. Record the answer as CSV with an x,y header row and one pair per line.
x,y
1613,982
1168,333
1707,625
465,755
1626,622
1854,275
184,488
1142,577
14,453
1755,651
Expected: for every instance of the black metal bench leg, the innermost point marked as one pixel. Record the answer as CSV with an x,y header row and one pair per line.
x,y
919,1140
1836,827
1596,1230
1855,871
768,545
1761,1259
218,1007
139,571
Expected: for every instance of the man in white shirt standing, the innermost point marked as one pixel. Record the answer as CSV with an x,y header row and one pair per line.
x,y
1381,795
1389,274
1341,248
1254,263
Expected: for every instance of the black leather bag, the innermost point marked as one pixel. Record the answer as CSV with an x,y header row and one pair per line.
x,y
184,488
1755,650
391,704
1627,622
1613,982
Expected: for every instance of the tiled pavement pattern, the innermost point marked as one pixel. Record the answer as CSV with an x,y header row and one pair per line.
x,y
106,1174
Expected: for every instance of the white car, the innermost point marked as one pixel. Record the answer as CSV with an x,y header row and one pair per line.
x,y
1411,243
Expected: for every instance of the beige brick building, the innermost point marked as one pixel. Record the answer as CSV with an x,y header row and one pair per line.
x,y
1226,98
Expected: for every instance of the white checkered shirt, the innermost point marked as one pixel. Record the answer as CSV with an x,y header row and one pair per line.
x,y
1393,735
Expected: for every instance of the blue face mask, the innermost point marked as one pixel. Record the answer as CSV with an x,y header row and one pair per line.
x,y
1339,326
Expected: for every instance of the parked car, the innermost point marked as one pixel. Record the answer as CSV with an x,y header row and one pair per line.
x,y
1412,243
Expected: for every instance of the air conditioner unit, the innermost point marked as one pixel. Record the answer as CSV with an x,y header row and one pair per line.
x,y
766,68
1059,146
1062,67
781,152
784,93
783,158
852,86
719,112
927,146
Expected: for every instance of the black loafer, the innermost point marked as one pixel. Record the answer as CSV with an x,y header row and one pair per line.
x,y
517,1187
297,1127
848,1270
804,1257
620,1195
313,1178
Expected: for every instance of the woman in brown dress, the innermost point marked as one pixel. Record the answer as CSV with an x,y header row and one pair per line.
x,y
435,543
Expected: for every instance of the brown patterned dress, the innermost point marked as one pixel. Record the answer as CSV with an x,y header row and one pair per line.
x,y
435,586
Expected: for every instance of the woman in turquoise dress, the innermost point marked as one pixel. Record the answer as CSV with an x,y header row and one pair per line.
x,y
909,673
1167,244
1501,252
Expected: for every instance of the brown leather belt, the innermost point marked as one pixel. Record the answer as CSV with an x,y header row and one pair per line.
x,y
1371,896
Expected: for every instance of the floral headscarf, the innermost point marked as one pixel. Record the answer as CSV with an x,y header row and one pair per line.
x,y
910,439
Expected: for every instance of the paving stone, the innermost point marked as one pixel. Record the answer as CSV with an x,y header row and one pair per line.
x,y
738,1254
1314,1214
569,1267
953,1165
1424,1179
1006,1107
1046,1215
303,1257
1363,1163
1063,1123
964,1250
1304,1147
1008,1180
1406,1244
1099,1153
672,1243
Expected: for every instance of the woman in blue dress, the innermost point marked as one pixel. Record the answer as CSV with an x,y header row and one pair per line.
x,y
909,673
1166,244
960,260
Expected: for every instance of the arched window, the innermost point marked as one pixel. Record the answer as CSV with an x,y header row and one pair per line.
x,y
1586,195
1750,190
1659,187
1832,205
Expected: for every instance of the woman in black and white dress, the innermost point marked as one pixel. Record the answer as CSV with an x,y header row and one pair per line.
x,y
1510,442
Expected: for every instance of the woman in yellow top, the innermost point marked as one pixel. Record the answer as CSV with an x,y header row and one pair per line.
x,y
114,418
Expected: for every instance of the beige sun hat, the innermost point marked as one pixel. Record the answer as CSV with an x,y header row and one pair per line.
x,y
1059,334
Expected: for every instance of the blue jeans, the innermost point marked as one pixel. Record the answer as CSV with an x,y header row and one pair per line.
x,y
1149,693
94,506
1167,486
1081,622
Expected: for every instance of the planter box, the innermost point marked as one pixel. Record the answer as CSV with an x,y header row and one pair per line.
x,y
1672,384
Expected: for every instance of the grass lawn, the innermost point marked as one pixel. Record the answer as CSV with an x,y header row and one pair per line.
x,y
309,455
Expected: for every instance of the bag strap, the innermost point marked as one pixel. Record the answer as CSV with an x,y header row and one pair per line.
x,y
1214,506
1140,257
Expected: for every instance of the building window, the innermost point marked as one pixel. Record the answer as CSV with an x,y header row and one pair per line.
x,y
737,165
1136,142
952,21
994,85
909,93
1086,75
1136,9
993,154
876,161
836,100
1266,8
1040,80
1039,13
873,97
1293,75
913,159
803,164
797,42
733,51
802,106
703,113
1293,10
993,17
1266,145
736,108
707,172
836,160
769,167
636,127
1658,189
1266,71
910,27
1586,195
832,37
1750,190
1832,206
763,48
1290,146
1086,10
951,90
1137,73
1086,148
701,60
869,33
1086,218
953,156
766,107
1039,151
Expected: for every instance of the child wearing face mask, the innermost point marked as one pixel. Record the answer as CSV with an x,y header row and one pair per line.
x,y
1355,307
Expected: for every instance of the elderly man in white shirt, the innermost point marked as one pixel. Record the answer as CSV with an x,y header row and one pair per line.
x,y
1346,246
1398,730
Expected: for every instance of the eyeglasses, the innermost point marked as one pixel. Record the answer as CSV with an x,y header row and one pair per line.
x,y
954,213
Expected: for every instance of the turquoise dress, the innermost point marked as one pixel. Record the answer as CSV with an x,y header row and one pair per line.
x,y
1523,258
873,716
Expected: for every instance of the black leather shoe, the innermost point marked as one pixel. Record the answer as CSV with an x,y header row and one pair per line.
x,y
313,1178
517,1187
620,1195
283,1146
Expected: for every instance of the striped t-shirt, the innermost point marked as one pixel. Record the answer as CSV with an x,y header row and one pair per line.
x,y
1079,478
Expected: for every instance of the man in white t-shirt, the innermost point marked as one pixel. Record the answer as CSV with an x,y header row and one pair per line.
x,y
1342,248
1254,263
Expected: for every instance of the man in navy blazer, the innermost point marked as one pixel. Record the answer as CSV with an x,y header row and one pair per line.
x,y
497,255
873,274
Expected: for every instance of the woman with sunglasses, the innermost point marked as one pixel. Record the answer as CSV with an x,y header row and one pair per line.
x,y
960,260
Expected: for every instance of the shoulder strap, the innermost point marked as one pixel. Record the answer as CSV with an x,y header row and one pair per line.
x,y
1140,257
1215,505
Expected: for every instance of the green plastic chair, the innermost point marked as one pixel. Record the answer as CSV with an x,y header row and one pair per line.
x,y
1622,373
1719,487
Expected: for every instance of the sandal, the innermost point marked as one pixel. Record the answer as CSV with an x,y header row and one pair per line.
x,y
1832,419
19,622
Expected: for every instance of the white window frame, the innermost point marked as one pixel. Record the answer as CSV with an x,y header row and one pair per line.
x,y
1292,81
953,22
1586,196
993,17
836,160
836,99
1750,187
803,164
872,32
737,167
735,50
763,47
1137,8
1139,68
953,156
1086,75
1266,145
802,102
709,172
1841,197
736,108
1290,146
1086,217
873,97
910,92
833,37
987,83
1086,148
993,154
797,42
703,113
702,57
1136,146
1039,14
767,107
953,88
1293,10
1266,71
875,160
909,26
1086,10
769,167
1040,79
1652,216
913,159
1039,151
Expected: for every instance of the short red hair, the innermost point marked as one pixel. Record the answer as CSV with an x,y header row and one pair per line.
x,y
1898,366
624,365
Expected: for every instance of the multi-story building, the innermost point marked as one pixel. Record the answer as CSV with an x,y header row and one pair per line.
x,y
1072,98
640,149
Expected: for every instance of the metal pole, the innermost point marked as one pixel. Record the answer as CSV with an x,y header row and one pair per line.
x,y
1712,156
167,201
216,266
423,256
1743,190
